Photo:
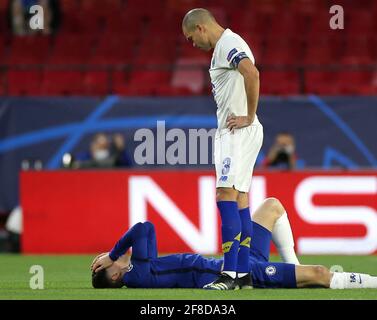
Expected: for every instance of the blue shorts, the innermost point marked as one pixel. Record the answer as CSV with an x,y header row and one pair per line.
x,y
268,274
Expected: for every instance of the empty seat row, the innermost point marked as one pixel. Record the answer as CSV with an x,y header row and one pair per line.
x,y
181,80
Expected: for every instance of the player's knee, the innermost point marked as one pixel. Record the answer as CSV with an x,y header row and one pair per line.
x,y
149,225
226,194
275,207
140,228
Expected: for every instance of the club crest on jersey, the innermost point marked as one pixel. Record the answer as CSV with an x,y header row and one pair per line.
x,y
270,270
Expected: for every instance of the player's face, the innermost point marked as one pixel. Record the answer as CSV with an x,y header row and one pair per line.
x,y
198,37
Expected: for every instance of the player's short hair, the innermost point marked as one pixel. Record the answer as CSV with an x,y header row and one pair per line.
x,y
101,280
196,16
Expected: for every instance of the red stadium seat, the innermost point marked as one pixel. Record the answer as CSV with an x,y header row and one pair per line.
x,y
270,7
256,46
2,48
22,83
62,83
373,46
69,7
249,21
120,79
282,51
319,25
112,51
147,41
3,83
29,50
145,82
286,24
72,49
357,51
168,49
323,49
99,15
307,7
321,82
96,83
353,82
168,90
3,21
186,50
360,23
187,75
371,88
279,82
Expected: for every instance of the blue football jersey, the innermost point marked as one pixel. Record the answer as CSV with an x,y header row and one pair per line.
x,y
173,271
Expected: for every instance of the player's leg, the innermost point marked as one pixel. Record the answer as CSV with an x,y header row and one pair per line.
x,y
226,162
320,276
287,275
230,234
272,216
243,267
312,276
273,274
352,280
230,228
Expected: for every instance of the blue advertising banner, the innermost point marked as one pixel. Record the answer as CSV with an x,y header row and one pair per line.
x,y
329,132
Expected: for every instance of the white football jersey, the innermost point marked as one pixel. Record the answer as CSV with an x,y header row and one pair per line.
x,y
228,86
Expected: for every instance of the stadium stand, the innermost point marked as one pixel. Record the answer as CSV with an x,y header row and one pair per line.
x,y
126,48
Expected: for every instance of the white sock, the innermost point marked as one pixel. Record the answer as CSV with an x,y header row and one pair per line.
x,y
240,275
283,239
233,274
347,280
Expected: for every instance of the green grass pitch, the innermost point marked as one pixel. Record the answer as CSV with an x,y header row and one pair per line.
x,y
68,277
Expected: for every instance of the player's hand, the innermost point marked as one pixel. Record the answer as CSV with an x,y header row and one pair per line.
x,y
238,122
102,263
96,258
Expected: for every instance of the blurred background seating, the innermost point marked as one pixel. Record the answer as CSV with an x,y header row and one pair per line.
x,y
127,48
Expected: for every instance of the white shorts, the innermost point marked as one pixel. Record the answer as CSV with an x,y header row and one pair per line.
x,y
235,155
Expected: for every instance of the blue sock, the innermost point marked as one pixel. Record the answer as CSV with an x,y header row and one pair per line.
x,y
244,251
231,233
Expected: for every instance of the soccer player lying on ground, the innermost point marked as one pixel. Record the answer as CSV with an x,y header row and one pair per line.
x,y
143,269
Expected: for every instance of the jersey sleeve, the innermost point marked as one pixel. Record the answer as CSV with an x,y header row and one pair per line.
x,y
139,238
232,52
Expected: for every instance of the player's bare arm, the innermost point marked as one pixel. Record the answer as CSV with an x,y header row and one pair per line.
x,y
251,79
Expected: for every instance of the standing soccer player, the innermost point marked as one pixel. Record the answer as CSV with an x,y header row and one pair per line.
x,y
239,137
